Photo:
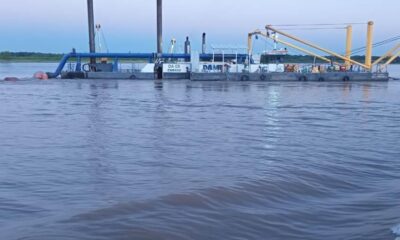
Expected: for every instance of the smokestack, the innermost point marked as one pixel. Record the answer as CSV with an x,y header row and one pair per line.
x,y
159,27
204,46
92,46
187,46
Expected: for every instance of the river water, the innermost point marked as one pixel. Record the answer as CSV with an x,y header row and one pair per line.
x,y
95,159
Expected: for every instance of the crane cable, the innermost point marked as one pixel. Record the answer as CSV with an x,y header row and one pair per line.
x,y
354,51
378,44
265,40
316,24
312,28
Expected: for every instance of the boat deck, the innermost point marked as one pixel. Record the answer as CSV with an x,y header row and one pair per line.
x,y
273,76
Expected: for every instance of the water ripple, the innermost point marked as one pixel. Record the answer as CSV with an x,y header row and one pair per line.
x,y
190,160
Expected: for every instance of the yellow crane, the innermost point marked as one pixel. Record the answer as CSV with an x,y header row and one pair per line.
x,y
349,43
275,38
367,65
393,53
391,59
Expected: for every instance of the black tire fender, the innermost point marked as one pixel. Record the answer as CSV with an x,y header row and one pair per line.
x,y
346,78
244,78
303,78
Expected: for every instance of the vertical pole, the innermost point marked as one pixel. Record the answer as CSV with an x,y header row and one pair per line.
x,y
368,54
203,45
159,27
223,60
237,63
185,50
349,40
249,44
92,47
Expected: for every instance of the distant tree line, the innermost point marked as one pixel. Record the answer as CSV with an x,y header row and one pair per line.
x,y
55,57
29,56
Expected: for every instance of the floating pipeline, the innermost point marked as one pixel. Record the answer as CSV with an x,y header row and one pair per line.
x,y
11,79
41,75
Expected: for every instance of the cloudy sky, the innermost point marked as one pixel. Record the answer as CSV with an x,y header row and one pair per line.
x,y
129,25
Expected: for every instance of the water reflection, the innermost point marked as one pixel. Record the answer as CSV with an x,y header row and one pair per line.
x,y
98,130
219,160
366,91
346,89
158,84
109,84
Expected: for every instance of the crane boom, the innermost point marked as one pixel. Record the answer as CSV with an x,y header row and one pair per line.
x,y
274,37
268,27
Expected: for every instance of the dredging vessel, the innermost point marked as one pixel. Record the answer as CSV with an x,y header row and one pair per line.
x,y
228,64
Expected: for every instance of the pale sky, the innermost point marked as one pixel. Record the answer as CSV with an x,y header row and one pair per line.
x,y
130,25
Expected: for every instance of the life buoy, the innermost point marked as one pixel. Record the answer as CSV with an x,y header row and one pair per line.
x,y
263,77
89,67
346,78
133,76
303,78
85,67
244,78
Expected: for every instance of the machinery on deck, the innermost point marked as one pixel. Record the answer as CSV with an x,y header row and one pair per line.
x,y
273,34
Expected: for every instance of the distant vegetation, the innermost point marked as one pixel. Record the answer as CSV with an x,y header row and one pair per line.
x,y
29,57
55,57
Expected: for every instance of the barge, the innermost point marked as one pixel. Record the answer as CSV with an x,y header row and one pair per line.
x,y
209,67
232,64
223,66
